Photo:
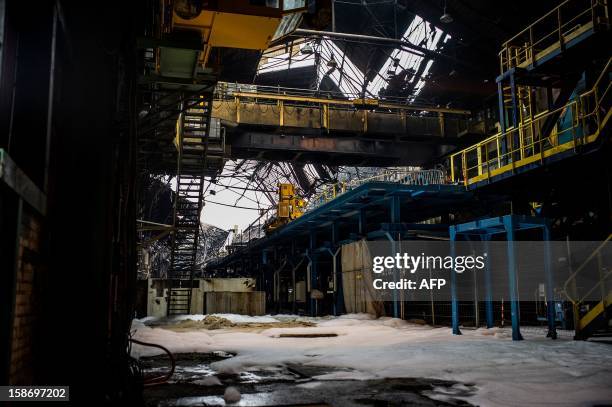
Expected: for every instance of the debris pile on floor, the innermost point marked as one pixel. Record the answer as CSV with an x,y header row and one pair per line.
x,y
223,321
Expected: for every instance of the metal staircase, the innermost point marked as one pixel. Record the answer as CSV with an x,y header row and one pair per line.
x,y
200,147
592,318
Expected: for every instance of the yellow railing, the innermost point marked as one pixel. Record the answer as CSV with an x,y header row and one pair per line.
x,y
571,288
525,145
571,294
306,97
551,31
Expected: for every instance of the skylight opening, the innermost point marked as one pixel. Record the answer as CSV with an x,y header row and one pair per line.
x,y
348,77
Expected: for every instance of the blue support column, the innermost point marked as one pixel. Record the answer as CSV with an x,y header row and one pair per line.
x,y
395,275
453,284
313,271
362,222
512,281
334,233
488,294
338,300
503,120
550,300
395,209
339,306
395,218
264,257
502,112
313,284
514,102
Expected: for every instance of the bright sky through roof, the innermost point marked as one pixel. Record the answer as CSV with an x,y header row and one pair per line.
x,y
348,77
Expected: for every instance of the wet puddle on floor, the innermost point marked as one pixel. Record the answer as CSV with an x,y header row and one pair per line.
x,y
195,383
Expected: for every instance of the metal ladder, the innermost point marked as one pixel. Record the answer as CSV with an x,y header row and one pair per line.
x,y
201,147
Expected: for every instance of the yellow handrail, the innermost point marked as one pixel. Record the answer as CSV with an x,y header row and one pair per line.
x,y
530,26
535,147
579,270
524,46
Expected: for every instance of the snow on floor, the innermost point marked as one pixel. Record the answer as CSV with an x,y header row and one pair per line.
x,y
535,372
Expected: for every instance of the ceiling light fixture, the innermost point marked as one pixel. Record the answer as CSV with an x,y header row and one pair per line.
x,y
306,49
446,18
332,62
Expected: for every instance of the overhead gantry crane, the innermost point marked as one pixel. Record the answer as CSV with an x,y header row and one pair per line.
x,y
301,125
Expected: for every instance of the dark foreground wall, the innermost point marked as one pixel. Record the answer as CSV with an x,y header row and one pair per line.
x,y
66,93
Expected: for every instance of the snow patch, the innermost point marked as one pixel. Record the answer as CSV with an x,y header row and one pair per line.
x,y
208,381
346,375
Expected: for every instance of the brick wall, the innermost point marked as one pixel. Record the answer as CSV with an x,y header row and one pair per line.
x,y
27,298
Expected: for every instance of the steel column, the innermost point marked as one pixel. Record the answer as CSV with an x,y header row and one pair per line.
x,y
313,271
362,222
338,294
395,209
395,275
488,293
512,271
550,301
454,302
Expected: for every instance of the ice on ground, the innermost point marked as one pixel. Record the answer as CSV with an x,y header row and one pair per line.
x,y
360,316
346,375
536,371
208,381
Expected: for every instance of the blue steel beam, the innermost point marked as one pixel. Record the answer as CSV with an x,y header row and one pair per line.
x,y
358,201
354,197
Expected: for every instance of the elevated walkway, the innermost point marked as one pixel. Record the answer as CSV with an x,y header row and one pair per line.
x,y
370,210
552,101
578,127
558,37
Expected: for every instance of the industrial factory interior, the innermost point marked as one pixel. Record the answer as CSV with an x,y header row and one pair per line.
x,y
306,203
